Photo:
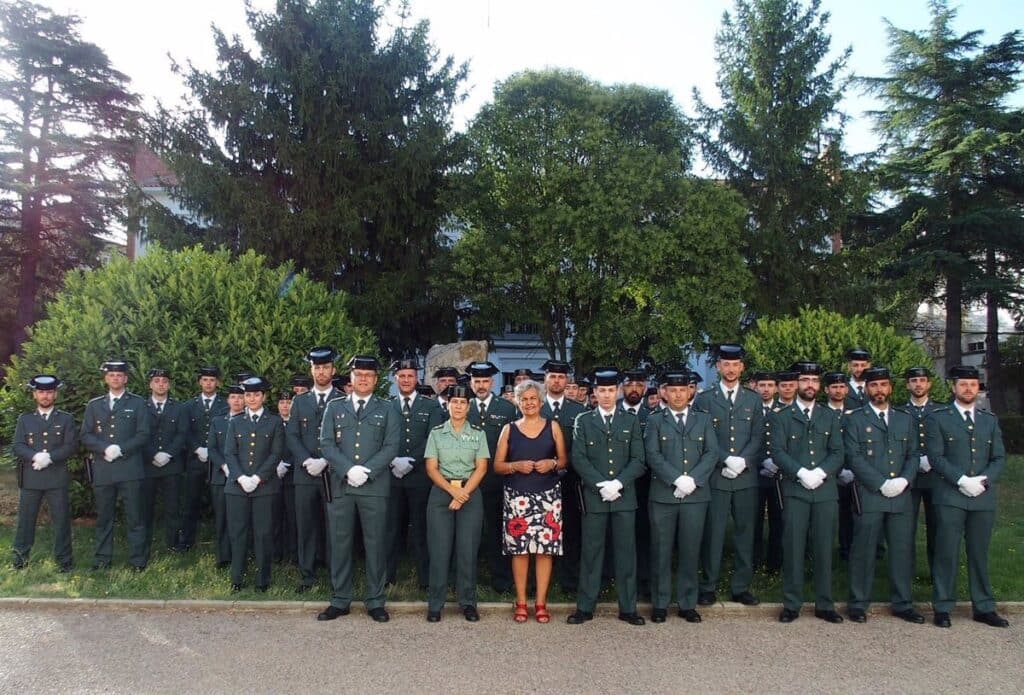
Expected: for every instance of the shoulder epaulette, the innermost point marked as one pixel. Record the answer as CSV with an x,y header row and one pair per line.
x,y
471,426
441,426
97,398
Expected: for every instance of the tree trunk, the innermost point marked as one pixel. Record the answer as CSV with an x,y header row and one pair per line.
x,y
28,282
993,362
954,320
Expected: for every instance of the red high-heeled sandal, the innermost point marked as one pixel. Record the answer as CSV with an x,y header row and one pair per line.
x,y
541,612
521,614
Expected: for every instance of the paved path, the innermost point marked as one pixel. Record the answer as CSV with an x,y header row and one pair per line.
x,y
91,649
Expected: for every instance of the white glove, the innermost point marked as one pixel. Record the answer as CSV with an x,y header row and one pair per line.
x,y
224,467
685,484
282,469
357,475
203,453
112,452
248,483
401,466
678,494
769,466
820,472
808,479
611,490
923,465
41,460
888,489
972,487
845,476
729,473
161,459
315,466
736,464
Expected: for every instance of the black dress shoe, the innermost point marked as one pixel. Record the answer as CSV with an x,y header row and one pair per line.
x,y
235,588
379,615
910,615
856,615
689,615
746,598
65,568
331,612
579,617
706,598
942,620
470,614
433,616
632,618
787,615
828,616
261,590
303,588
658,615
19,563
992,619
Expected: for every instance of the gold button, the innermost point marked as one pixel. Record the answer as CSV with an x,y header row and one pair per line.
x,y
357,457
892,475
357,445
611,472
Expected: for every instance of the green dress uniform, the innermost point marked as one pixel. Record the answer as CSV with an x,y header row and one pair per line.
x,y
56,435
925,482
958,448
877,450
128,426
642,487
739,427
499,413
844,521
303,435
568,564
169,435
673,450
252,448
796,443
608,449
216,443
369,438
767,551
855,397
407,509
200,414
285,535
456,454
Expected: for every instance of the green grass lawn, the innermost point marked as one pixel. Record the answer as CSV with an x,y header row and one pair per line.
x,y
194,575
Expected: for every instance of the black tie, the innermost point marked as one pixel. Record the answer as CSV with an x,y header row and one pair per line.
x,y
323,400
208,402
881,416
255,419
967,416
608,421
729,396
406,409
159,408
860,391
45,416
359,407
681,418
483,409
633,410
556,408
807,413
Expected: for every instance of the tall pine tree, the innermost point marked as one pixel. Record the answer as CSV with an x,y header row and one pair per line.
x,y
328,145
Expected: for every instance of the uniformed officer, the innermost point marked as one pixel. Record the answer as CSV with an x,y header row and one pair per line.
x,y
410,486
878,445
301,383
738,420
359,438
164,460
303,443
608,457
521,375
200,412
920,405
787,382
427,391
806,444
964,446
285,536
456,457
443,378
635,401
681,451
857,360
216,444
836,390
769,552
564,411
254,447
491,415
653,397
44,440
116,430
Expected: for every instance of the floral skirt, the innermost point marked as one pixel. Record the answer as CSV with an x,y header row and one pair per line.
x,y
533,522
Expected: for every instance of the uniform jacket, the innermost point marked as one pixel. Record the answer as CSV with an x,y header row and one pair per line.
x,y
672,452
254,449
127,425
303,432
199,420
371,440
216,442
877,452
56,435
425,414
797,443
601,453
499,413
923,481
169,433
955,449
739,427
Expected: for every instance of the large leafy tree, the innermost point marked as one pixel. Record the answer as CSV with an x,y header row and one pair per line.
x,y
953,157
579,218
328,145
777,139
67,121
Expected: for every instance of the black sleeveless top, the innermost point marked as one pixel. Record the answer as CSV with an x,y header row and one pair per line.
x,y
523,448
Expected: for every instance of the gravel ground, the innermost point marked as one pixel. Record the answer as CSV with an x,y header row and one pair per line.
x,y
92,649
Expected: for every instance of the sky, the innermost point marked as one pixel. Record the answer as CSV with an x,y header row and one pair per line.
x,y
667,44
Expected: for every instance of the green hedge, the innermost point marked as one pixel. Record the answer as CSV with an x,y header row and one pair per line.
x,y
178,310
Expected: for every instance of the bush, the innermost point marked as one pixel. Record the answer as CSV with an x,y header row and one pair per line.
x,y
1013,433
178,310
824,336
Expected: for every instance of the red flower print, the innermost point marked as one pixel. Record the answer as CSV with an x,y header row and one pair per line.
x,y
517,526
551,523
